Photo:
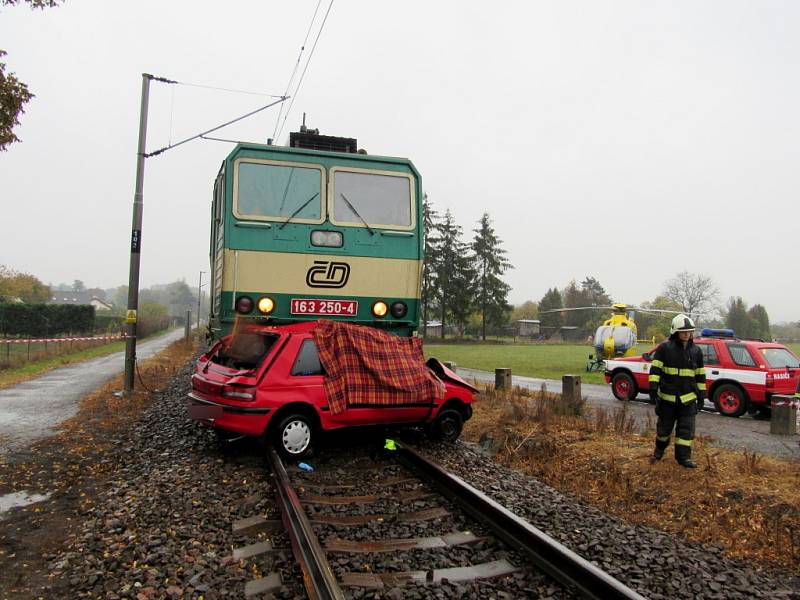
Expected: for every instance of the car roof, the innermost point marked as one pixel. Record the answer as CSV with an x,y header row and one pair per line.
x,y
304,327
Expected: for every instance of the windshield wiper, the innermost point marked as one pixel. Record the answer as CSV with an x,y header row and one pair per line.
x,y
295,213
353,208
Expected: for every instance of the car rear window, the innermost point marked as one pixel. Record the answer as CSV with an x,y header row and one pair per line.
x,y
778,358
741,356
307,362
243,350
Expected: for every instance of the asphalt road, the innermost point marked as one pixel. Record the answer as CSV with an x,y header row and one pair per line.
x,y
30,410
736,434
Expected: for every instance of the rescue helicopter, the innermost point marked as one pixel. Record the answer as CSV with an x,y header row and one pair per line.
x,y
618,335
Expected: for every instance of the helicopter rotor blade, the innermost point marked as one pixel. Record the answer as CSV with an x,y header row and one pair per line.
x,y
558,310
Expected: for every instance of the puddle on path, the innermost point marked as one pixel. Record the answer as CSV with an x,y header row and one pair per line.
x,y
16,499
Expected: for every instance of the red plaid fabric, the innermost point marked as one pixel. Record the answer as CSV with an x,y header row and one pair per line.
x,y
368,366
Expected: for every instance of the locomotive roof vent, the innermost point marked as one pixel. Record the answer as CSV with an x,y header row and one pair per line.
x,y
312,140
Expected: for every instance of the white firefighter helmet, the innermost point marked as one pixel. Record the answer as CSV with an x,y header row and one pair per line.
x,y
681,323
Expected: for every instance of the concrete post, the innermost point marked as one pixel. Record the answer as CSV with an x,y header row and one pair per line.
x,y
502,379
187,330
571,389
784,416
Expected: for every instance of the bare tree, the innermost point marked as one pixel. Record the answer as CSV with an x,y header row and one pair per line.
x,y
695,292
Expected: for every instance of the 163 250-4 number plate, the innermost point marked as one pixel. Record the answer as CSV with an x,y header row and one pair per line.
x,y
318,306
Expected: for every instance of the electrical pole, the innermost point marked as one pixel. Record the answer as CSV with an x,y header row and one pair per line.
x,y
136,241
199,296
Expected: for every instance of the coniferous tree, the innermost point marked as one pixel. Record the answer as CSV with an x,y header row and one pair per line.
x,y
454,273
490,264
432,246
759,321
551,301
736,317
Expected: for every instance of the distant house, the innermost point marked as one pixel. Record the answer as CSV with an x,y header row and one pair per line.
x,y
528,327
72,297
432,329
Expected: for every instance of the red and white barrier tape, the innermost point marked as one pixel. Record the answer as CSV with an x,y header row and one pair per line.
x,y
75,339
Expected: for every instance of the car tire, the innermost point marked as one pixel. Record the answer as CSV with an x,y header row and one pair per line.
x,y
730,400
447,426
293,436
623,386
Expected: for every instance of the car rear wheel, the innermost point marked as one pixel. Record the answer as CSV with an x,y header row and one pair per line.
x,y
623,387
447,426
730,400
293,437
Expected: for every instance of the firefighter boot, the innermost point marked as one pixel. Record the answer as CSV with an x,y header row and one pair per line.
x,y
658,452
683,454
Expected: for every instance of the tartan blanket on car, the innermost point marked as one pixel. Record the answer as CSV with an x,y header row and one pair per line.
x,y
366,366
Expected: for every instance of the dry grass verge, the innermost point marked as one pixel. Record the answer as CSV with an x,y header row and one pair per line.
x,y
747,503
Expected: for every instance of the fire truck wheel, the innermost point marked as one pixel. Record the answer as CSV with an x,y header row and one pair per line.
x,y
448,425
623,387
293,436
730,400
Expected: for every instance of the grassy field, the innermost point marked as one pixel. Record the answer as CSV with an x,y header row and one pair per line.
x,y
548,361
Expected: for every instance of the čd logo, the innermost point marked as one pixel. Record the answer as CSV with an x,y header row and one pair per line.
x,y
326,274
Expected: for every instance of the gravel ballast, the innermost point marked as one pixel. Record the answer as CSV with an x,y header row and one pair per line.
x,y
162,526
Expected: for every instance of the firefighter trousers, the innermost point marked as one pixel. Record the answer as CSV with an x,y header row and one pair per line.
x,y
681,417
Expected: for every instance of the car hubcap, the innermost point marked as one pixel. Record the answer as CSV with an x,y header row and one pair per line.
x,y
729,401
623,388
448,427
296,437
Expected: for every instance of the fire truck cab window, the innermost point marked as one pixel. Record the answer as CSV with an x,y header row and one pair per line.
x,y
709,354
277,192
741,356
368,199
307,362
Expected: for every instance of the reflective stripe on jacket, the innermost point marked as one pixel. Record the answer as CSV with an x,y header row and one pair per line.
x,y
677,372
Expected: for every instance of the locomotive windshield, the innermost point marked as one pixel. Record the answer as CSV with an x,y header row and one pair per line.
x,y
278,192
374,200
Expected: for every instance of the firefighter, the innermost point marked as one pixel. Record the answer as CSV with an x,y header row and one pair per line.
x,y
678,388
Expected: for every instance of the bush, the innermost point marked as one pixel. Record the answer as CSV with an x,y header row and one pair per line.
x,y
110,324
44,320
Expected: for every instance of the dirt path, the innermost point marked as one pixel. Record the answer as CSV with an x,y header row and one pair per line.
x,y
30,410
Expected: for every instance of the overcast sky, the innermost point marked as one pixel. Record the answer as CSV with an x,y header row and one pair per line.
x,y
624,140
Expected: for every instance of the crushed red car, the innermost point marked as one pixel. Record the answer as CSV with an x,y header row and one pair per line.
x,y
290,382
742,375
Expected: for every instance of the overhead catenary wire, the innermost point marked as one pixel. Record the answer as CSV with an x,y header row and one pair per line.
x,y
200,135
308,62
296,65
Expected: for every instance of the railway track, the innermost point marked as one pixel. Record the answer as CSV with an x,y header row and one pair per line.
x,y
399,525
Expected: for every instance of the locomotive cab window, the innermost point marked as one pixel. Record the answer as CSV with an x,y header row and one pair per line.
x,y
272,191
378,199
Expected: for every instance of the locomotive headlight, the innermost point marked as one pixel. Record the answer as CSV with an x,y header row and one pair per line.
x,y
399,310
331,239
379,309
244,304
266,305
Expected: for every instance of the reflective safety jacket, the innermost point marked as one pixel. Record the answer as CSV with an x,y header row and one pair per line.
x,y
677,372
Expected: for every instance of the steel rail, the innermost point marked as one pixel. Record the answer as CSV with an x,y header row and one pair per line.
x,y
555,559
318,578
